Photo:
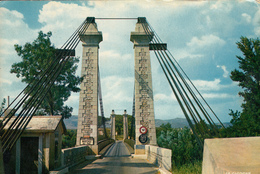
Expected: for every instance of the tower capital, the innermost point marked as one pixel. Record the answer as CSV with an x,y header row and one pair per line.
x,y
91,37
142,36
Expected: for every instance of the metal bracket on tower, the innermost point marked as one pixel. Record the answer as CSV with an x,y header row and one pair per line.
x,y
91,19
157,46
141,20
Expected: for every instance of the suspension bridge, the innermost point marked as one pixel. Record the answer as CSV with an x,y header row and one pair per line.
x,y
19,117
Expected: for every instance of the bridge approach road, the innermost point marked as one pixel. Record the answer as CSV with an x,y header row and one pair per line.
x,y
117,160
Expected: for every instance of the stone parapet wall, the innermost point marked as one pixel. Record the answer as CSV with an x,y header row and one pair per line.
x,y
161,157
130,142
73,156
104,143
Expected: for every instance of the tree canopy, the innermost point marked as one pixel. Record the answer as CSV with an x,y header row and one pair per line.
x,y
2,107
247,123
36,57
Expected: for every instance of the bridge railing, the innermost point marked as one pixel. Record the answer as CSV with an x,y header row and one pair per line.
x,y
75,155
130,142
104,143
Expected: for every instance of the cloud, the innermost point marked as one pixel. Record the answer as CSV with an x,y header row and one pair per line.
x,y
203,85
198,47
164,97
12,24
13,30
194,31
117,88
13,15
205,41
5,81
224,68
246,17
217,96
256,22
221,7
184,53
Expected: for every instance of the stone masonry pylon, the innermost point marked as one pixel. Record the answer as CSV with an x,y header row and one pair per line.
x,y
125,122
87,133
144,107
113,125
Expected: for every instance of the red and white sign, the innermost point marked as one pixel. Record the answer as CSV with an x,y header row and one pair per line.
x,y
143,130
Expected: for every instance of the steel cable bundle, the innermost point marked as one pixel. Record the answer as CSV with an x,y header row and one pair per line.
x,y
184,90
28,100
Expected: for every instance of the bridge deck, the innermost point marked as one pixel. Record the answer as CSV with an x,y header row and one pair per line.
x,y
117,160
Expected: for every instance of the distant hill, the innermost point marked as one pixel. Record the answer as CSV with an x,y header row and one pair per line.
x,y
72,122
175,123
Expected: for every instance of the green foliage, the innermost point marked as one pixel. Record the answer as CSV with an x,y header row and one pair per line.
x,y
182,142
102,137
130,142
100,120
69,140
190,168
163,128
247,123
2,107
119,124
36,57
130,120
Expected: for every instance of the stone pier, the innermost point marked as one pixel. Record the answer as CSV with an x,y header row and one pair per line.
x,y
125,122
144,107
113,125
87,133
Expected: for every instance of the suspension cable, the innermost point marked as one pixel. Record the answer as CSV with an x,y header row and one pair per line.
x,y
33,99
101,104
173,74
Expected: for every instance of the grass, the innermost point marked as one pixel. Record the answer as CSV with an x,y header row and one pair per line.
x,y
190,168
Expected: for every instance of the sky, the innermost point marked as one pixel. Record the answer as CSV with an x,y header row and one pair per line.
x,y
201,35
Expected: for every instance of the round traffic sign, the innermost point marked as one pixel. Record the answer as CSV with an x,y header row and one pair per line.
x,y
143,138
143,130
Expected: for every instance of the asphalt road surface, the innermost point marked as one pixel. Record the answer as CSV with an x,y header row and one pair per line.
x,y
118,160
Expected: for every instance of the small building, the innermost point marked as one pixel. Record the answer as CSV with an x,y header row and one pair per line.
x,y
38,150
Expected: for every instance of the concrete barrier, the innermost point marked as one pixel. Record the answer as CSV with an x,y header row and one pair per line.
x,y
161,157
231,156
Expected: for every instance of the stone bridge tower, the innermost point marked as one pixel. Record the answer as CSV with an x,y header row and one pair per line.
x,y
87,133
144,108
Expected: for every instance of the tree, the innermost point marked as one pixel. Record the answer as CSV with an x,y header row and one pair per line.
x,y
69,140
182,142
36,57
247,123
163,128
119,124
2,107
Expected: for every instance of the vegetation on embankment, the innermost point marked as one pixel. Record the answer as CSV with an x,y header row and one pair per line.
x,y
186,153
191,168
69,139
